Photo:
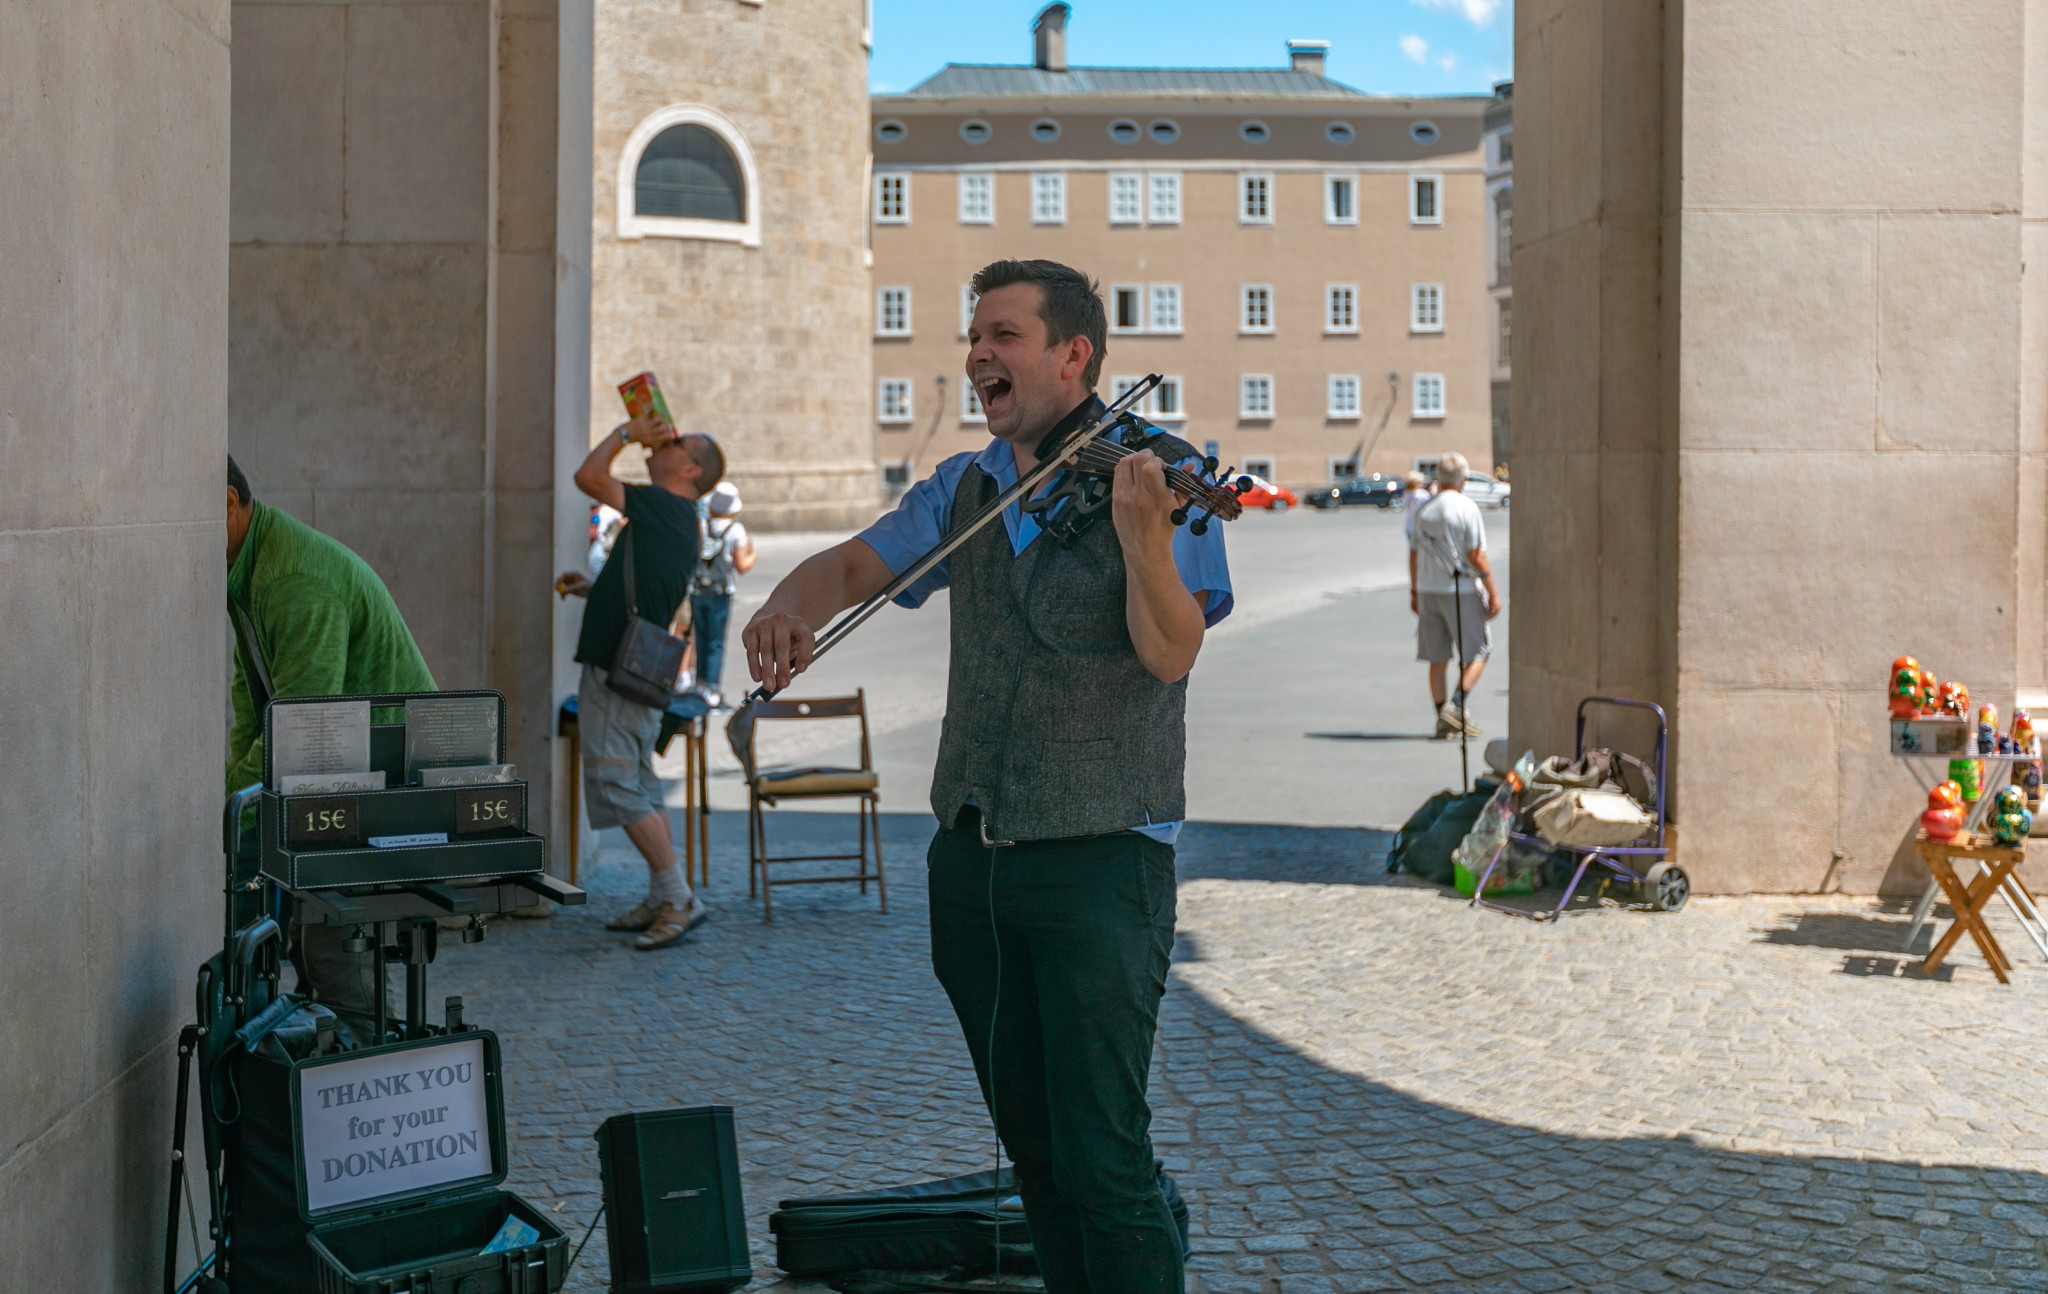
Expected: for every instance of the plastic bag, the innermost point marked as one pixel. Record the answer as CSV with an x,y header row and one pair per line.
x,y
1490,832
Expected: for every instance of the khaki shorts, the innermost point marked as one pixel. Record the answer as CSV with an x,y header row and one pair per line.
x,y
617,739
1436,627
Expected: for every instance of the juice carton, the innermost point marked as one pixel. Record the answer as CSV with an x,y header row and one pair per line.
x,y
642,395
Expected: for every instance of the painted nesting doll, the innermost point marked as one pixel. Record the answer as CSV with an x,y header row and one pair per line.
x,y
1987,729
1905,694
1944,816
1953,700
1928,689
2010,820
1964,773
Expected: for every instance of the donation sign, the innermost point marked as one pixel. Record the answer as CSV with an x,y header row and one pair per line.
x,y
394,1122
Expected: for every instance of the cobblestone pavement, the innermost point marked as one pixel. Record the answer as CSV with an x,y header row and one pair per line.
x,y
1360,1085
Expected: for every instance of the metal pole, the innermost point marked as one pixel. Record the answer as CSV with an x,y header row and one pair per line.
x,y
1458,692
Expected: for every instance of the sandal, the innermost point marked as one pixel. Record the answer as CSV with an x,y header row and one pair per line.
x,y
641,917
669,926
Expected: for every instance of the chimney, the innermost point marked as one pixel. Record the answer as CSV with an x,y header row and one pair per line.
x,y
1049,37
1307,55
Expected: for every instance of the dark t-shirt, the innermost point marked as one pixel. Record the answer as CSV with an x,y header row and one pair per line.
x,y
663,530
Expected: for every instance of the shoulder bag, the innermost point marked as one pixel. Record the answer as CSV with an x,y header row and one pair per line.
x,y
650,658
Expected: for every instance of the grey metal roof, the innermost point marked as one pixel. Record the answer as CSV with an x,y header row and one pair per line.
x,y
995,81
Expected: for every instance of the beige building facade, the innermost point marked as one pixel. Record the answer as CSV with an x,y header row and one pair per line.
x,y
1304,263
728,172
1780,398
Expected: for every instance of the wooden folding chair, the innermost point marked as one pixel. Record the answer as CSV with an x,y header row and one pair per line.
x,y
769,787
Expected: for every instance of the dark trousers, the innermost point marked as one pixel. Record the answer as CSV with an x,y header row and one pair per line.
x,y
709,613
1062,1036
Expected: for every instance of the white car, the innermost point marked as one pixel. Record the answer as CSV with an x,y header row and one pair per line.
x,y
1485,491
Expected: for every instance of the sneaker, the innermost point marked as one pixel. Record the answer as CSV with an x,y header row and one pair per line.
x,y
1453,716
1445,729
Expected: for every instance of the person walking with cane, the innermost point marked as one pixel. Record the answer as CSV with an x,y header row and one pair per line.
x,y
1452,593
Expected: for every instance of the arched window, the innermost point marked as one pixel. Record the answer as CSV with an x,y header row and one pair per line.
x,y
686,172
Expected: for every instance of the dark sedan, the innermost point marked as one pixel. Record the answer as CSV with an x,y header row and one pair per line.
x,y
1378,490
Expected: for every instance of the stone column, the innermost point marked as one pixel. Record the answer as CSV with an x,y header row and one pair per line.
x,y
113,416
403,304
1779,396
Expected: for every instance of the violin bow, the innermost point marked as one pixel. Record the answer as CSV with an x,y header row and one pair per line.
x,y
740,726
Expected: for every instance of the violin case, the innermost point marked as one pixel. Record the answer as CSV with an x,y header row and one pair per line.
x,y
955,1222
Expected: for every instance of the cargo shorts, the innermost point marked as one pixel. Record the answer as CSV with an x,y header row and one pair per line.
x,y
617,738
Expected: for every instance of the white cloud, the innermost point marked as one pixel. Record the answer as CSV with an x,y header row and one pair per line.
x,y
1448,62
1416,48
1477,12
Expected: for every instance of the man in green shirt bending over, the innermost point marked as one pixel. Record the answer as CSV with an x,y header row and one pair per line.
x,y
310,618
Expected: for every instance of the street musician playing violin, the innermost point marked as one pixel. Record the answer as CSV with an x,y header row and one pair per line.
x,y
1059,782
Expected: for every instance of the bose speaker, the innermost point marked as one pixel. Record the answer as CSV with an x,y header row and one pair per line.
x,y
672,1192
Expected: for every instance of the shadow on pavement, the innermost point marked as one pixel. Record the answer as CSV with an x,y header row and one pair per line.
x,y
1369,736
828,1034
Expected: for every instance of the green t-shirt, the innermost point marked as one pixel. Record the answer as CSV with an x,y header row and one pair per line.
x,y
664,556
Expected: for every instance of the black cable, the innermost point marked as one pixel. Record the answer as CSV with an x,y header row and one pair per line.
x,y
587,1232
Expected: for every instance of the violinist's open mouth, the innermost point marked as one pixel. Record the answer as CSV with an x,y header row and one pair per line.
x,y
995,395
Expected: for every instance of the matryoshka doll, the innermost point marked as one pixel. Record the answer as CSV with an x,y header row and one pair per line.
x,y
1944,815
1963,772
2010,822
1953,700
1987,729
1928,688
1905,695
2030,773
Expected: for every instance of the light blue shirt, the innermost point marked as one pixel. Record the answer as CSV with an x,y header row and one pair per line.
x,y
924,514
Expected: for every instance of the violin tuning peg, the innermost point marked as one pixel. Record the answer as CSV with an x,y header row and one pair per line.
x,y
1180,517
1199,527
1242,484
1209,463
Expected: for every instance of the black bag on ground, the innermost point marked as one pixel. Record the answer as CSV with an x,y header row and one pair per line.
x,y
1425,843
928,1226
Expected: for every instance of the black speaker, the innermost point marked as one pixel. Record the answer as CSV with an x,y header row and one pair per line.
x,y
672,1194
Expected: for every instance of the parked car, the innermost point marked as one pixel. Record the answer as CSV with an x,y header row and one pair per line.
x,y
1265,494
1485,491
1380,490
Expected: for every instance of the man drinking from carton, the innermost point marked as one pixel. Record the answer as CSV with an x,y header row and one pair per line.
x,y
620,787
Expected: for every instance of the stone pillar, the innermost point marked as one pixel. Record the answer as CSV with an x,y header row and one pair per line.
x,y
1779,397
113,404
403,306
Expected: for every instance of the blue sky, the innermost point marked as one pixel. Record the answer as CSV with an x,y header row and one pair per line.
x,y
1381,46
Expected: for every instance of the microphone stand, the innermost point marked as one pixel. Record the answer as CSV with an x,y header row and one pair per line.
x,y
1027,484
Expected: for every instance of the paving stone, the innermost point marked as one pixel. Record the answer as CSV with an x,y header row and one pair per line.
x,y
1360,1085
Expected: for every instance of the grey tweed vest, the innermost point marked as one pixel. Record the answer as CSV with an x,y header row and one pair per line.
x,y
1053,725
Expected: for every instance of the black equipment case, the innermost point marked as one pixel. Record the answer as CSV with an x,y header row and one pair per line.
x,y
377,1171
928,1226
672,1192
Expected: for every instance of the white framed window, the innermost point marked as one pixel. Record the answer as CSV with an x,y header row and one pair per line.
x,y
1341,469
1126,198
1340,307
1255,308
968,296
1255,395
892,197
1340,198
892,312
892,399
1503,235
1425,199
1343,395
896,476
1049,198
1255,198
1165,317
1507,329
1163,190
1429,395
1167,405
1426,307
687,172
977,198
1259,467
970,404
1126,308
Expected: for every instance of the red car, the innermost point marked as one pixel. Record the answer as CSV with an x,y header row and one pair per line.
x,y
1265,494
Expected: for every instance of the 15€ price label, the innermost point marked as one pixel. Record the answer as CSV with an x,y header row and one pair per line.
x,y
323,820
481,809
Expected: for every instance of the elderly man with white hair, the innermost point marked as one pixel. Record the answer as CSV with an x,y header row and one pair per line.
x,y
1451,592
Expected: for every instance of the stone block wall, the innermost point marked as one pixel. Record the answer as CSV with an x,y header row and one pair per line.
x,y
767,347
1808,431
113,402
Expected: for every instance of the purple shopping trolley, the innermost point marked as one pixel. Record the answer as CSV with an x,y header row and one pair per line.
x,y
1662,883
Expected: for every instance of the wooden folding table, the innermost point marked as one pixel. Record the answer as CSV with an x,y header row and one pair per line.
x,y
1995,864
